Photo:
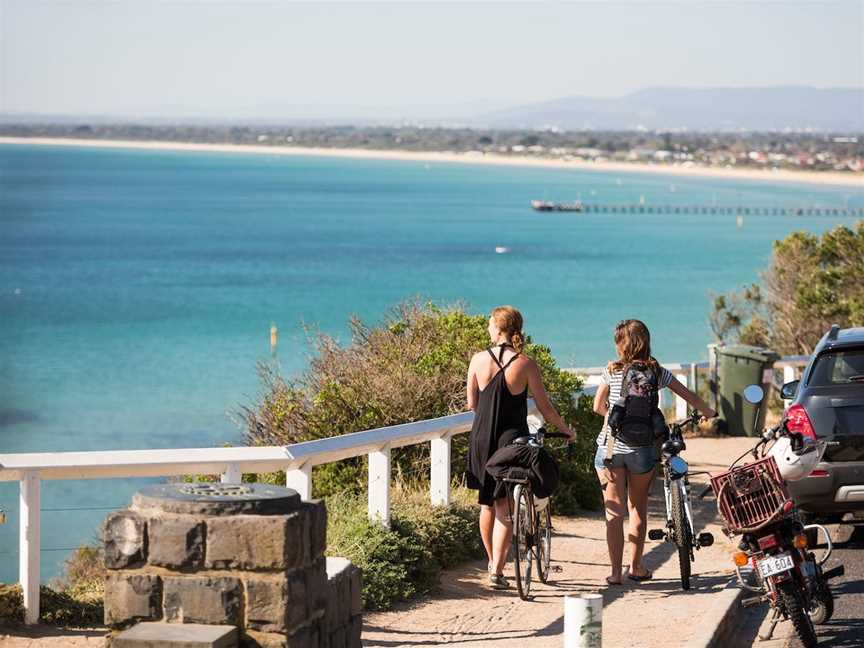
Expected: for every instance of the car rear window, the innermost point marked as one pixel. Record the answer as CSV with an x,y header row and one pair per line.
x,y
838,367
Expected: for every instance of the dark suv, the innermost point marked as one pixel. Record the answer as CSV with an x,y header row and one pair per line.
x,y
829,404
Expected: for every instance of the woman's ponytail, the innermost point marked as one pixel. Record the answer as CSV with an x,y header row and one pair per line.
x,y
517,342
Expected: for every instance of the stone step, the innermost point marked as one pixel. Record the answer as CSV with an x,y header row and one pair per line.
x,y
177,635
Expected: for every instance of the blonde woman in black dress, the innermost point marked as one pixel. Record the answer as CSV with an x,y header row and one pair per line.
x,y
499,379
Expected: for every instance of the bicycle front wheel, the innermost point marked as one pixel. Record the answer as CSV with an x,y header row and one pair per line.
x,y
523,539
683,535
543,549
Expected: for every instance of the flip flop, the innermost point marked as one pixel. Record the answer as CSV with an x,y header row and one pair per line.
x,y
645,577
613,583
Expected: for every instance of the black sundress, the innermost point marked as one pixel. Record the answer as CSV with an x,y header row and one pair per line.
x,y
499,418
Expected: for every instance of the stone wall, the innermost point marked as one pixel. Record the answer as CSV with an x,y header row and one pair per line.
x,y
260,567
342,618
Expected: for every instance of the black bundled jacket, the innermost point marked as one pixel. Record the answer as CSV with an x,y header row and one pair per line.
x,y
541,466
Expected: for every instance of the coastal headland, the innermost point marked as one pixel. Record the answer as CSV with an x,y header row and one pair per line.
x,y
780,175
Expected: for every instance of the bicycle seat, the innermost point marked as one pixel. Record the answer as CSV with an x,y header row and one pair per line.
x,y
523,440
673,447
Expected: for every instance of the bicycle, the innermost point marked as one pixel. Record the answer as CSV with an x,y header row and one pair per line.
x,y
676,489
532,524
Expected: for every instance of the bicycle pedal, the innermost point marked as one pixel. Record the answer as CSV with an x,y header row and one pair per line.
x,y
557,569
705,539
656,534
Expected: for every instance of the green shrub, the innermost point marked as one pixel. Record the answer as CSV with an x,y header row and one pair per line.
x,y
11,604
405,560
75,600
79,608
63,608
579,487
410,367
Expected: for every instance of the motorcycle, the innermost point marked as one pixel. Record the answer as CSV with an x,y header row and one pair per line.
x,y
774,561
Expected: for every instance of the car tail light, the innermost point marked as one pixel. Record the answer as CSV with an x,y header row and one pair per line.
x,y
818,473
766,542
797,421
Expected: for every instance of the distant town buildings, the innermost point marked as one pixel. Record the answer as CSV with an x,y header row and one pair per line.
x,y
773,150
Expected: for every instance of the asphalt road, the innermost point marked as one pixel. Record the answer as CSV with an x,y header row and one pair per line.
x,y
846,628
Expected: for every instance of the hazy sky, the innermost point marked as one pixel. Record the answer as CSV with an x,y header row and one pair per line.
x,y
432,59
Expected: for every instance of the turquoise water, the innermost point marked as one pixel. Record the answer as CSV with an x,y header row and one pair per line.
x,y
137,288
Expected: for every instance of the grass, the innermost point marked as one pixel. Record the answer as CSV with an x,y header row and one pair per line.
x,y
74,601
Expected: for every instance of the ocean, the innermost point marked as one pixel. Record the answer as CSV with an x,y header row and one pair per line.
x,y
138,288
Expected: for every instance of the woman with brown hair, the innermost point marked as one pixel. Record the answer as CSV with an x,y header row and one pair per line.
x,y
499,380
626,474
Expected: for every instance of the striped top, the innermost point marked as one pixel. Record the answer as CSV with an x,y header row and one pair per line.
x,y
614,381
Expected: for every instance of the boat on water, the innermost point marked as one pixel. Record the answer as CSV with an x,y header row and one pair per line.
x,y
546,206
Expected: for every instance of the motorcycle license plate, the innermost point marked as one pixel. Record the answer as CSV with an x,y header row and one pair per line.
x,y
775,565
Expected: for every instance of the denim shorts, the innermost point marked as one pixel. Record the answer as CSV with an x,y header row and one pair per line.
x,y
641,460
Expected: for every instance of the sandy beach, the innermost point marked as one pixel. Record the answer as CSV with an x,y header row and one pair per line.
x,y
821,178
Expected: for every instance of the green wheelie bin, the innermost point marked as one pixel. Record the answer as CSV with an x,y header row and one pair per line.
x,y
740,365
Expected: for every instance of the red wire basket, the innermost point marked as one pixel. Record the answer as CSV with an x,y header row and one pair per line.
x,y
751,496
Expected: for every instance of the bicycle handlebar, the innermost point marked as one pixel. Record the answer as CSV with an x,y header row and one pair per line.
x,y
693,418
558,435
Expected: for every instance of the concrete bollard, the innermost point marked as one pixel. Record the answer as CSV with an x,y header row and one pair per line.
x,y
583,621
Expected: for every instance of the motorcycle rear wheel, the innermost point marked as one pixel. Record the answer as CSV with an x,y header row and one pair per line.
x,y
823,604
793,603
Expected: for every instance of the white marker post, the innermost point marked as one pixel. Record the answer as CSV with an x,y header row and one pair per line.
x,y
583,621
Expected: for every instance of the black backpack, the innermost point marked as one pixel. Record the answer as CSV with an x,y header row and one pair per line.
x,y
635,418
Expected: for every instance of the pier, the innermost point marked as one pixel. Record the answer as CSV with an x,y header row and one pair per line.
x,y
732,210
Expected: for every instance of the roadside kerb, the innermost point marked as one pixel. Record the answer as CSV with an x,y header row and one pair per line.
x,y
722,619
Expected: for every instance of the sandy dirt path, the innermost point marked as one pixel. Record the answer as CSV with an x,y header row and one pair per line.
x,y
463,612
51,637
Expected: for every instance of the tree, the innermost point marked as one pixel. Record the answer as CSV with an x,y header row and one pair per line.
x,y
811,283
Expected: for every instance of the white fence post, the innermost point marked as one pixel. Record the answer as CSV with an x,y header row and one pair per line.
x,y
680,403
379,486
300,480
29,544
583,621
439,454
233,475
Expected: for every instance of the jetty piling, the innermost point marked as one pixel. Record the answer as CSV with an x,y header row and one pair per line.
x,y
724,210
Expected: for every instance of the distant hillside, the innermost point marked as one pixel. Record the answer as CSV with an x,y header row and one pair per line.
x,y
711,109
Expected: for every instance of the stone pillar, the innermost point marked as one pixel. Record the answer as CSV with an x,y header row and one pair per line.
x,y
246,555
